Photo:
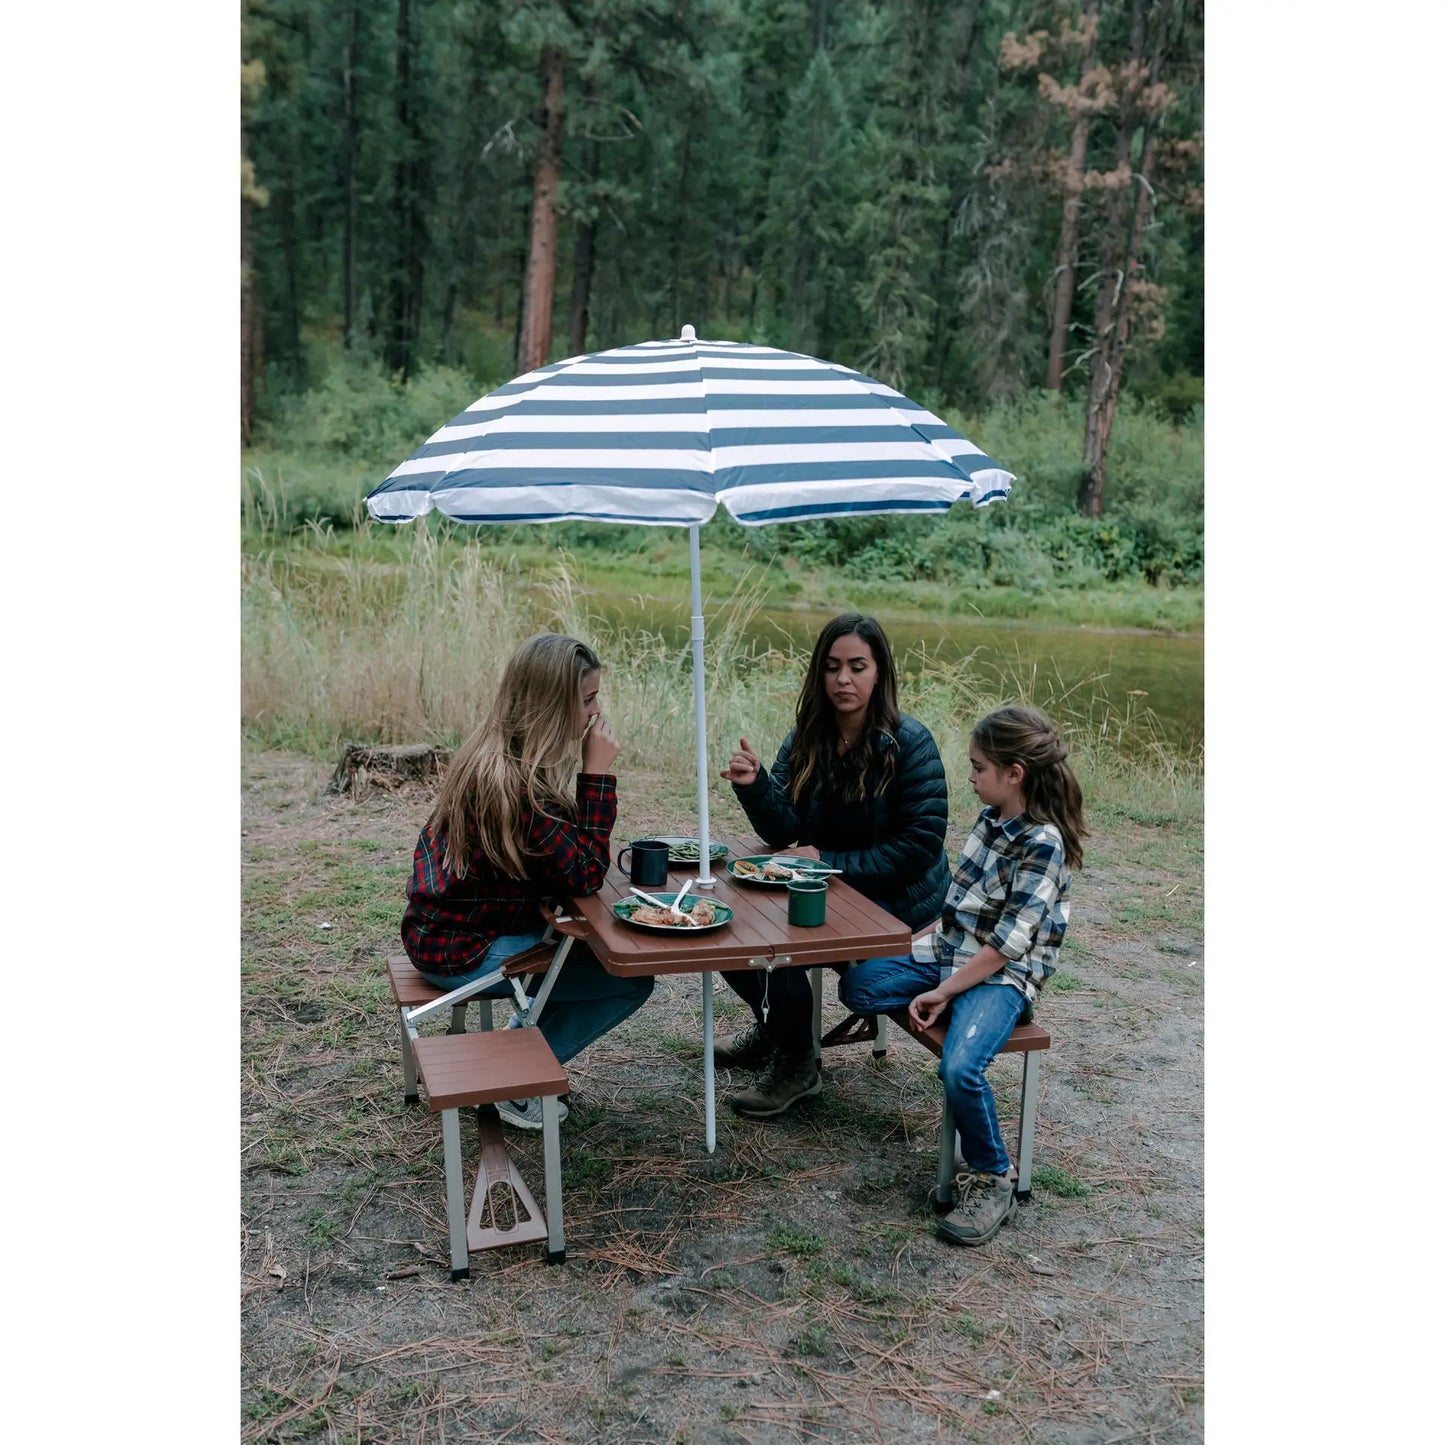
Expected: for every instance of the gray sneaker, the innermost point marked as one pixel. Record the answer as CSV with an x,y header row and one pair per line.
x,y
984,1205
526,1113
751,1049
788,1079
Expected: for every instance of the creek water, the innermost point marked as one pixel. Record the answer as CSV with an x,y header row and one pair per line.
x,y
1108,677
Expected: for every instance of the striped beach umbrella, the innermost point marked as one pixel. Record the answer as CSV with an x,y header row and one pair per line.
x,y
662,433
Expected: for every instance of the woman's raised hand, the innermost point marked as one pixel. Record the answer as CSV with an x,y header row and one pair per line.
x,y
743,766
599,747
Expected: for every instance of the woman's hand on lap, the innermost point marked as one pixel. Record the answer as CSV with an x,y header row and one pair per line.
x,y
600,747
744,765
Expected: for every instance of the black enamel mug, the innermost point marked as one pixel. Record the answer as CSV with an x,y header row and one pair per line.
x,y
648,867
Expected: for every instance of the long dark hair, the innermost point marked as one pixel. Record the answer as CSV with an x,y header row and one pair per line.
x,y
1026,736
815,760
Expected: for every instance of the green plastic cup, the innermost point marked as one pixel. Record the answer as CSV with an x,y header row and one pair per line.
x,y
808,902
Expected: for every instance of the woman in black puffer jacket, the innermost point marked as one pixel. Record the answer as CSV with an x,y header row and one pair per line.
x,y
861,785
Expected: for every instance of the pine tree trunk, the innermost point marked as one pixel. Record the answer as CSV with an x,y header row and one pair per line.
x,y
291,249
584,257
1111,316
1107,373
466,238
1068,253
536,329
408,271
519,271
250,360
941,342
348,164
679,226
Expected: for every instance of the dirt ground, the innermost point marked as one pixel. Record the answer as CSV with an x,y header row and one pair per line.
x,y
787,1287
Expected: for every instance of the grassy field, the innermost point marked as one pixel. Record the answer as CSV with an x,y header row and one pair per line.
x,y
339,645
787,1287
651,563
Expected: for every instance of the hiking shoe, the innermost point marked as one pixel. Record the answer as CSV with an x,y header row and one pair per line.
x,y
526,1113
751,1049
789,1077
985,1204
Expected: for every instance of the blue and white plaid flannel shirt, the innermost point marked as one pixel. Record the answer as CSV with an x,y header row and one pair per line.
x,y
1011,890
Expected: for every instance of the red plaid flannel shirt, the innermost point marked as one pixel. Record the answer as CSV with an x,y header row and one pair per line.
x,y
449,924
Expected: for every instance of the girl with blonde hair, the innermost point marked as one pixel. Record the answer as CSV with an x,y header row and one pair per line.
x,y
525,814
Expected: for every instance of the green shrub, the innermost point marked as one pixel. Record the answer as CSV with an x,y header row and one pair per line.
x,y
357,411
1180,396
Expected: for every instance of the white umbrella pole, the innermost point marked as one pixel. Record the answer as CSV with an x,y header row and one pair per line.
x,y
699,707
704,838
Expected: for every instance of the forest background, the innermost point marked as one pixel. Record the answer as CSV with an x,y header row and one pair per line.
x,y
143,250
994,205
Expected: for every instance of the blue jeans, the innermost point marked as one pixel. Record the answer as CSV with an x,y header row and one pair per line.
x,y
979,1023
585,1000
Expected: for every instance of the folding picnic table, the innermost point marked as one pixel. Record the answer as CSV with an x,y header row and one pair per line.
x,y
759,936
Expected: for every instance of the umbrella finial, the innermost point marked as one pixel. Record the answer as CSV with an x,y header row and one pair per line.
x,y
688,334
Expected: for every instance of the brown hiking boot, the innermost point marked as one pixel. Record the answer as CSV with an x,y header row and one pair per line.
x,y
790,1077
985,1204
751,1049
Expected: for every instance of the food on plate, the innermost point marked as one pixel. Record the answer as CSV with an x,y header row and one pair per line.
x,y
647,913
697,913
689,850
771,872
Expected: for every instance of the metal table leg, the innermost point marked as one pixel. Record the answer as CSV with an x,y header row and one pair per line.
x,y
947,1158
708,1090
815,978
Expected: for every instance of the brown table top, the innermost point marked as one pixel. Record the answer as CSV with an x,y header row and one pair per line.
x,y
759,933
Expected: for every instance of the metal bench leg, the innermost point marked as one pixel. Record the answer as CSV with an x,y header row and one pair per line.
x,y
880,1044
815,977
552,1164
484,1015
408,1063
456,1192
459,1019
1028,1108
943,1195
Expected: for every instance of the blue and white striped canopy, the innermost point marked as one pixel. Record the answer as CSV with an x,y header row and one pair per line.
x,y
658,434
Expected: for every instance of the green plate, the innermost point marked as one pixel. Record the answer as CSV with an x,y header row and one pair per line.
x,y
686,852
624,908
759,859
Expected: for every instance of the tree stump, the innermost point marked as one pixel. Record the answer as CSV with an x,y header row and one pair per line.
x,y
362,767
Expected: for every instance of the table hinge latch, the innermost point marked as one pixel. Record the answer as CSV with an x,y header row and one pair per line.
x,y
782,960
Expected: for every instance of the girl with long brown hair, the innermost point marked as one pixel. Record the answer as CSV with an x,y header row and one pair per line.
x,y
994,946
525,814
859,785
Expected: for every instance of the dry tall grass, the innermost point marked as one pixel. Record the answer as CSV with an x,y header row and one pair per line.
x,y
336,648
